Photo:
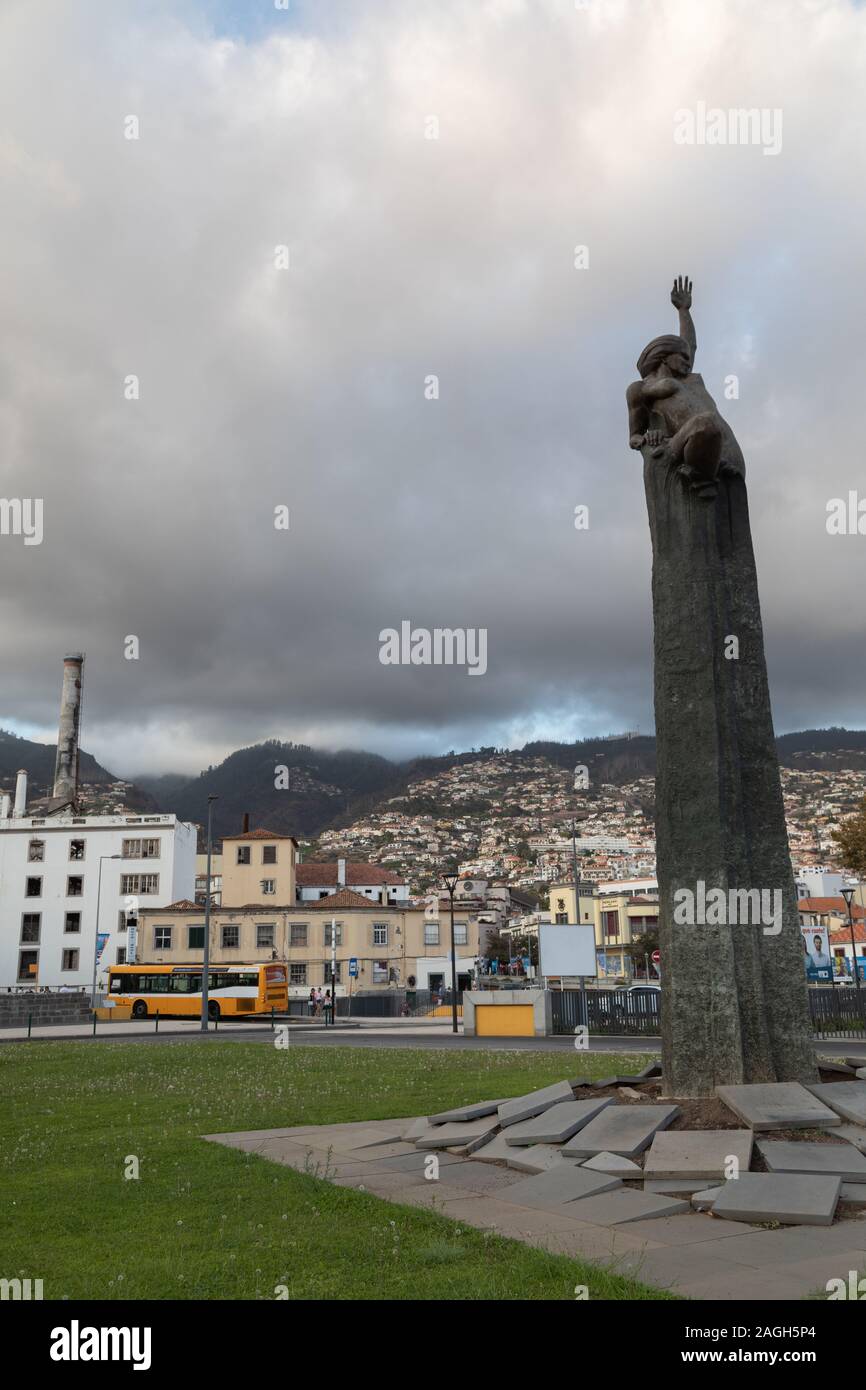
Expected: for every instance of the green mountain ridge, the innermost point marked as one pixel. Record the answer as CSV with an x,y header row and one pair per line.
x,y
331,789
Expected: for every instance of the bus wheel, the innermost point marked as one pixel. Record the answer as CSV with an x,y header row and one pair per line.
x,y
213,1010
139,1009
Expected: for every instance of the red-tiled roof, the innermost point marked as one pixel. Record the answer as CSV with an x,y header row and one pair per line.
x,y
841,936
831,905
260,835
182,905
344,898
314,873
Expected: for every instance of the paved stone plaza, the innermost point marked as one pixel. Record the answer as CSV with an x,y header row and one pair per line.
x,y
780,1231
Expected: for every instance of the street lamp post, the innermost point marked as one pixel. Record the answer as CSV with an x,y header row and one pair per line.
x,y
450,881
96,929
848,895
583,1000
205,960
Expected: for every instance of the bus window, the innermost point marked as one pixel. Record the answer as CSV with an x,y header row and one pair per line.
x,y
153,984
185,984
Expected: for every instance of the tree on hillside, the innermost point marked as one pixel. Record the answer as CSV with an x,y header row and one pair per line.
x,y
851,840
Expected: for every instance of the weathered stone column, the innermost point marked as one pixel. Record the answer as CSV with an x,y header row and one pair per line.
x,y
734,1002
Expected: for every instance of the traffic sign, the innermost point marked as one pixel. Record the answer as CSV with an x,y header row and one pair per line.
x,y
656,957
353,967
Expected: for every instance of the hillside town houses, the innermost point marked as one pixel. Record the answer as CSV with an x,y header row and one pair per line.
x,y
87,881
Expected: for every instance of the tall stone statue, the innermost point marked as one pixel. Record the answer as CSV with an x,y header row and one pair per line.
x,y
734,1001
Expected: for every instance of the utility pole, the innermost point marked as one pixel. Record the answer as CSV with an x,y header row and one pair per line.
x,y
205,960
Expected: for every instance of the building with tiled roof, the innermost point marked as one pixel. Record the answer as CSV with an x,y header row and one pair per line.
x,y
344,897
258,866
319,879
824,912
392,947
259,835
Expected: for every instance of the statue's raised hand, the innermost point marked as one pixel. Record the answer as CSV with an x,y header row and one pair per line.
x,y
681,294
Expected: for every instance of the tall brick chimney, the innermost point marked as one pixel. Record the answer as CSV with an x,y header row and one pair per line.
x,y
66,766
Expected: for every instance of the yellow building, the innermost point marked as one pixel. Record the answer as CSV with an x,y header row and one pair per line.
x,y
618,919
395,948
258,866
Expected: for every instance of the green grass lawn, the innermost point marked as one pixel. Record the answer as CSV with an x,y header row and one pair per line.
x,y
203,1221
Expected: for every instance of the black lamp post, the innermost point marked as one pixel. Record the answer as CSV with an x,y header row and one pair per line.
x,y
848,895
450,881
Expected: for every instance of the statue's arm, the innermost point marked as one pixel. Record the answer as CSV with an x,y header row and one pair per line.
x,y
681,298
638,415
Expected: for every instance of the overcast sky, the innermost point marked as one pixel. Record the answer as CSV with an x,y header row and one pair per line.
x,y
409,256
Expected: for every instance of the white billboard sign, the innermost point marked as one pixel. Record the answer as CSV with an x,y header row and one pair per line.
x,y
566,950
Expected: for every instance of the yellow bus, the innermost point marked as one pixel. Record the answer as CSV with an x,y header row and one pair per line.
x,y
175,990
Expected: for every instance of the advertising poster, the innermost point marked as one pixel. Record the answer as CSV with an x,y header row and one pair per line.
x,y
816,955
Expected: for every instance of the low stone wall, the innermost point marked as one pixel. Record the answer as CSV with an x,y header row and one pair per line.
x,y
45,1009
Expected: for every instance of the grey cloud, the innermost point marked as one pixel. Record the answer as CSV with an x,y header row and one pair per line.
x,y
409,257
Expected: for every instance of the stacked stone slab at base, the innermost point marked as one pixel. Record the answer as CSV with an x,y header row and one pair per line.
x,y
792,1199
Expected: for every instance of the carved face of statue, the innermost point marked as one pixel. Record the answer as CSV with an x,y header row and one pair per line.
x,y
678,365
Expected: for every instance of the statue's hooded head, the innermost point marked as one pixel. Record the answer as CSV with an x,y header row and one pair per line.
x,y
669,345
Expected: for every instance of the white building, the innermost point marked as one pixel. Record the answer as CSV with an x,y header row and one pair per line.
x,y
629,887
818,883
317,879
604,844
50,883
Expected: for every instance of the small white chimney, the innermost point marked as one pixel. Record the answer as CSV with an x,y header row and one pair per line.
x,y
5,806
21,793
341,873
